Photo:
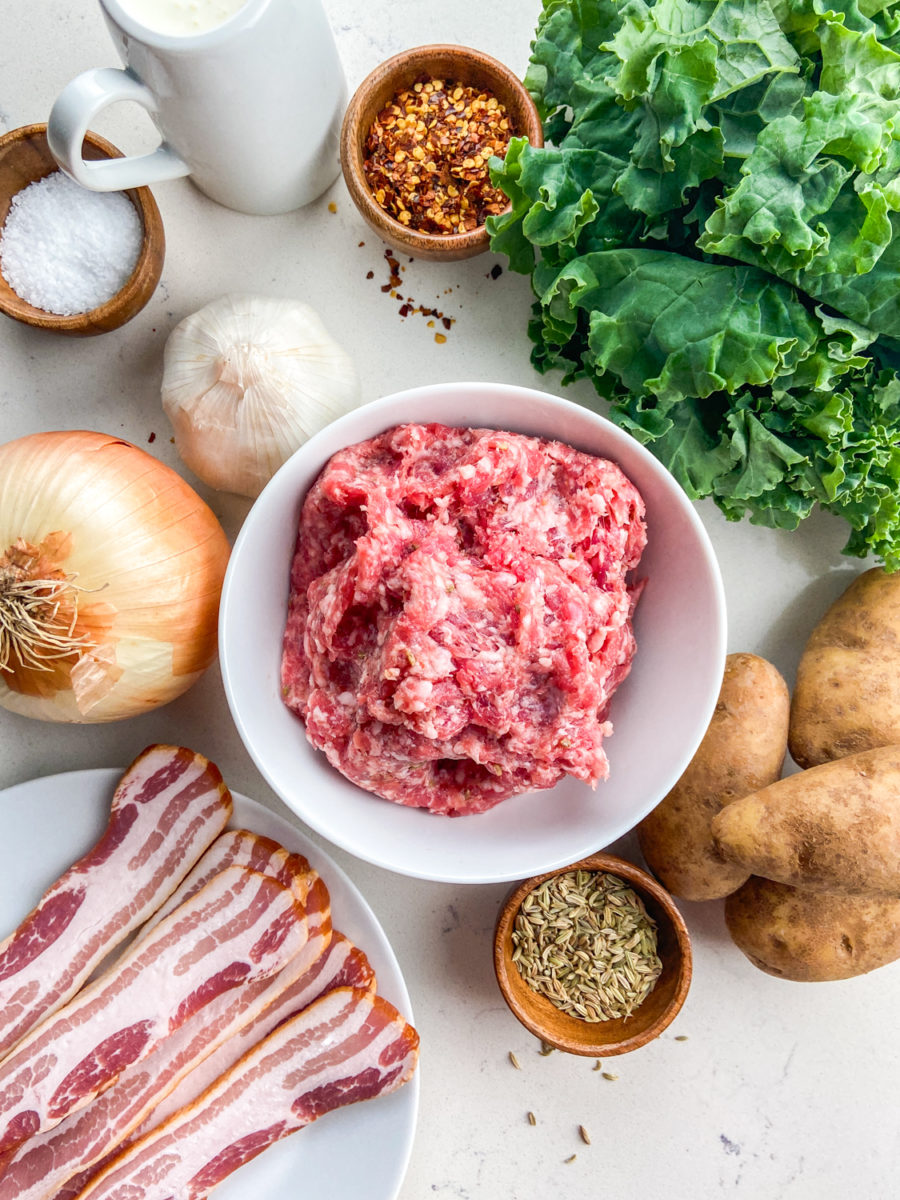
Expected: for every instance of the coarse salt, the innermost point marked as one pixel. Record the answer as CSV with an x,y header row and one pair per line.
x,y
66,249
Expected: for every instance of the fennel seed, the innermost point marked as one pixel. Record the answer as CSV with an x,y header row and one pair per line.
x,y
515,1062
584,1135
532,1119
571,1158
585,941
609,1075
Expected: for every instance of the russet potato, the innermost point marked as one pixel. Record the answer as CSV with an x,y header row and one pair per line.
x,y
812,937
833,828
742,751
847,695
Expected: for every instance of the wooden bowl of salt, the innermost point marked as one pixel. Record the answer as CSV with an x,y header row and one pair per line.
x,y
125,285
541,913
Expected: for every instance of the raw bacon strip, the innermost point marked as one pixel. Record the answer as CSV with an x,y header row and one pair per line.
x,y
61,1161
231,932
350,1045
342,965
239,848
168,807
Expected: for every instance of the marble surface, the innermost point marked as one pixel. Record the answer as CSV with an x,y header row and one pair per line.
x,y
780,1089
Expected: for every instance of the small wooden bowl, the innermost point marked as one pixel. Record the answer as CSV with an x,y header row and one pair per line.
x,y
24,158
457,63
600,1038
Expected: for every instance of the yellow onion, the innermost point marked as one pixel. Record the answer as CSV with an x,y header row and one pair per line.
x,y
110,572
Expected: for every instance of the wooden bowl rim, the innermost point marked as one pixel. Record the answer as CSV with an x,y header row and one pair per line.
x,y
642,882
383,81
125,300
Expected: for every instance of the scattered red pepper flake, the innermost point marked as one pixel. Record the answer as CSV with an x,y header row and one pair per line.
x,y
332,207
427,152
152,438
407,305
440,338
370,274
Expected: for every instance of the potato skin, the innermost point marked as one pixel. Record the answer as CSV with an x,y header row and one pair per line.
x,y
742,751
847,695
833,828
810,937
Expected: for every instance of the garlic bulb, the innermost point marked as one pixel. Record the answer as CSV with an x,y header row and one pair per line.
x,y
246,380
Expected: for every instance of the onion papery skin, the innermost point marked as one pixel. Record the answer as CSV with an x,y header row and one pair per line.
x,y
147,558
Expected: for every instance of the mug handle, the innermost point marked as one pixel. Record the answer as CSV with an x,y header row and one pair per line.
x,y
77,105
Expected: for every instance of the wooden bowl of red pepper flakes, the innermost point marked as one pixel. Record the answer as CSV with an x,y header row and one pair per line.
x,y
415,145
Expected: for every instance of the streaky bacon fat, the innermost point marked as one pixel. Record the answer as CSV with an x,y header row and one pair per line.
x,y
231,932
342,965
60,1162
350,1045
168,807
240,848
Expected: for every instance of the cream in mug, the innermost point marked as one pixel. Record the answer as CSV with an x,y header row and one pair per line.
x,y
181,18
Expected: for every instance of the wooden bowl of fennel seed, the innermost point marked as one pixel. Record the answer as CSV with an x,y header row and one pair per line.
x,y
593,958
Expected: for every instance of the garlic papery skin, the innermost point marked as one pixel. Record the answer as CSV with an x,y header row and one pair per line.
x,y
246,380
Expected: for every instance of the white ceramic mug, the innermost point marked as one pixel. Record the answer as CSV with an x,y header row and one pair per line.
x,y
251,109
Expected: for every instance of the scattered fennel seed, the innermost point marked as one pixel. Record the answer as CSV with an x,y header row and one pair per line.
x,y
532,1119
682,1037
571,1158
609,1075
598,1066
584,1135
515,1062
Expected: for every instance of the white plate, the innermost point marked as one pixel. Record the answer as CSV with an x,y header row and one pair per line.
x,y
659,714
362,1150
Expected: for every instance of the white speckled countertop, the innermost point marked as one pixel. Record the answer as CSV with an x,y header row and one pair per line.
x,y
781,1089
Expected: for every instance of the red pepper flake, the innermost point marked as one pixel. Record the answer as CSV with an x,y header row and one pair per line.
x,y
427,153
152,438
370,274
407,306
360,243
332,207
496,271
440,338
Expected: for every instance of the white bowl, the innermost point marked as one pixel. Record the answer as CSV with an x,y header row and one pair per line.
x,y
659,713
